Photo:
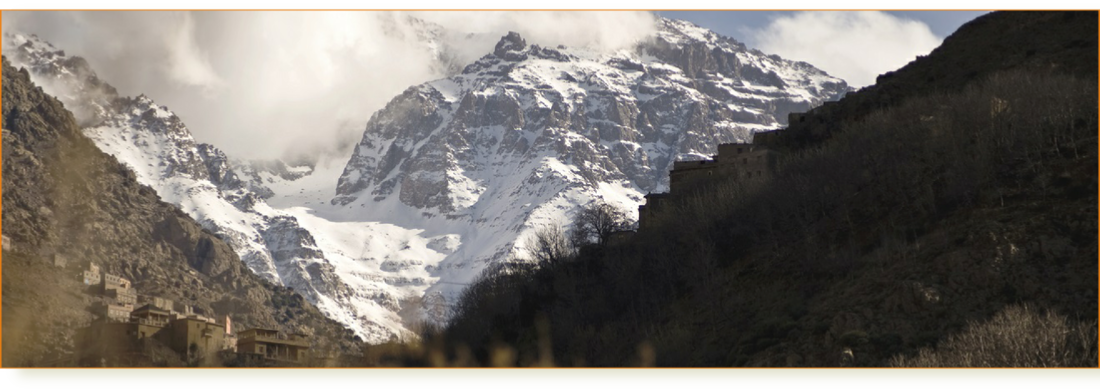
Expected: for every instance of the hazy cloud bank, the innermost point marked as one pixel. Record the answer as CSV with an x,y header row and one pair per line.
x,y
270,84
854,46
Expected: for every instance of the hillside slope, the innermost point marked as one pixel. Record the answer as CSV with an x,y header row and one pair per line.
x,y
531,135
913,221
343,268
64,198
528,135
1052,41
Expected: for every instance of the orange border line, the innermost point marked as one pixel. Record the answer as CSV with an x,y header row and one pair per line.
x,y
484,368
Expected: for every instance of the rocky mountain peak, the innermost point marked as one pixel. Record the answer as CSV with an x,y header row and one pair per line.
x,y
453,174
65,199
228,198
510,47
528,135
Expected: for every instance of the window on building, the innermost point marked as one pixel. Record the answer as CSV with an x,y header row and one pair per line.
x,y
744,160
739,149
749,174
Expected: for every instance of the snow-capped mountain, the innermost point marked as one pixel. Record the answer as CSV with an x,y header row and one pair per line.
x,y
453,174
346,271
527,135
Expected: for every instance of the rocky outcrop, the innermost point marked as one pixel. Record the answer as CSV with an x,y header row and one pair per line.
x,y
526,135
227,197
522,137
200,251
697,93
62,195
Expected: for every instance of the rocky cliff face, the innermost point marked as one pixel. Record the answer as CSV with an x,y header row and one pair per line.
x,y
452,174
64,197
526,135
227,197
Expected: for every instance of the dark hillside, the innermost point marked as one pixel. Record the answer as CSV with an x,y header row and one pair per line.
x,y
931,219
1060,42
64,200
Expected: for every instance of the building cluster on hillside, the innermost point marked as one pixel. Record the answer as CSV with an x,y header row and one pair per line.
x,y
734,161
129,322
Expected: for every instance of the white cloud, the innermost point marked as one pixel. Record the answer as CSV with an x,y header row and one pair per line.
x,y
267,84
855,46
606,30
186,62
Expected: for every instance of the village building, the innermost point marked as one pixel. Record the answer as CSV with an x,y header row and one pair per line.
x,y
230,336
117,312
738,161
123,296
6,242
152,315
127,331
119,337
111,281
273,346
58,260
197,336
159,302
654,203
92,275
734,161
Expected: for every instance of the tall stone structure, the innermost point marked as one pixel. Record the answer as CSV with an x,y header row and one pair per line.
x,y
737,161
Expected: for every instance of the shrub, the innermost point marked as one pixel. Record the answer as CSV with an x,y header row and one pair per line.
x,y
1018,336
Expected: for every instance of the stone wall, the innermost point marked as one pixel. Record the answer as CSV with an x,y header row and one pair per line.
x,y
738,161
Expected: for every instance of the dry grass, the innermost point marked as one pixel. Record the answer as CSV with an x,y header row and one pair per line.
x,y
1018,336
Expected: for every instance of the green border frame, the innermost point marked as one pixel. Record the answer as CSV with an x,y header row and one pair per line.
x,y
553,378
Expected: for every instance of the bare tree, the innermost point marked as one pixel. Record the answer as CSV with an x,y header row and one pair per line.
x,y
549,246
596,223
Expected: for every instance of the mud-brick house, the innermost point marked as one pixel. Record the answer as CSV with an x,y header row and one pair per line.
x,y
152,315
271,345
111,281
123,296
737,161
196,336
654,203
119,337
162,303
92,275
117,312
188,335
734,161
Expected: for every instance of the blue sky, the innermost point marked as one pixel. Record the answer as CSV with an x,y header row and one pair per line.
x,y
217,70
856,46
733,23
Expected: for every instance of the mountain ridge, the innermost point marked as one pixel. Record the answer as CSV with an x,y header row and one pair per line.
x,y
274,217
526,135
64,199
